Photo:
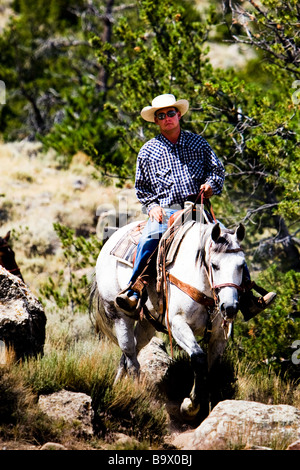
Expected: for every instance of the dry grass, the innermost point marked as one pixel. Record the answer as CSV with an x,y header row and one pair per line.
x,y
35,193
81,363
265,387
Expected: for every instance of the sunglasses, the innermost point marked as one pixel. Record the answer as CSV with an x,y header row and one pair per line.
x,y
162,116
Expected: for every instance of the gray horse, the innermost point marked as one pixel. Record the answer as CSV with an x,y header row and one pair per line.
x,y
210,261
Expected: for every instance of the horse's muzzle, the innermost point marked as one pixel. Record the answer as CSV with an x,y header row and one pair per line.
x,y
229,311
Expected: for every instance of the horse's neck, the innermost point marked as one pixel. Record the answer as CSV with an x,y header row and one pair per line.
x,y
189,266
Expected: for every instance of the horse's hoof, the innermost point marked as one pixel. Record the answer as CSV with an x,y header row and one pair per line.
x,y
188,410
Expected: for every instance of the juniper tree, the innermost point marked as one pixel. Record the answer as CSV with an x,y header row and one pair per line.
x,y
133,51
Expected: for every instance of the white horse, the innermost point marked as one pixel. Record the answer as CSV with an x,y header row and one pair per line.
x,y
211,261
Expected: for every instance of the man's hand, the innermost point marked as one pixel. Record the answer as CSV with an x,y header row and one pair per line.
x,y
157,213
208,192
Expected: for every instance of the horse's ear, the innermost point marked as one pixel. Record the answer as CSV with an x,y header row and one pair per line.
x,y
240,232
216,232
6,238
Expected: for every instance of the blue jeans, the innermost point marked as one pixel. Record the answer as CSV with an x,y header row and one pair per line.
x,y
149,240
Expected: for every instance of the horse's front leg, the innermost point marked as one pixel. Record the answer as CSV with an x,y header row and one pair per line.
x,y
198,401
217,372
124,327
199,395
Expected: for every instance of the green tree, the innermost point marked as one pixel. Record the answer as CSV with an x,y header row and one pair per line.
x,y
138,50
252,124
42,59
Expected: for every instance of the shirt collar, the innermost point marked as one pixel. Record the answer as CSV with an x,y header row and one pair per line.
x,y
180,141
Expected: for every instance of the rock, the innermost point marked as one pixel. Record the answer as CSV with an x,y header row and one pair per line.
x,y
79,185
53,446
122,439
183,440
22,318
238,424
257,448
73,407
154,361
294,446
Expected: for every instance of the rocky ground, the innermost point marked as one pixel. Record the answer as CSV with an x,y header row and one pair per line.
x,y
231,425
34,194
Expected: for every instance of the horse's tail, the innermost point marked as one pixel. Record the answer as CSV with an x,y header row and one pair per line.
x,y
98,316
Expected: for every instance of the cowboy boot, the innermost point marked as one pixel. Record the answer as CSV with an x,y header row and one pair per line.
x,y
130,300
127,301
251,305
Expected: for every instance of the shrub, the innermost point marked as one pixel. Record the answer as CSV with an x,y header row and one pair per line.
x,y
78,253
267,339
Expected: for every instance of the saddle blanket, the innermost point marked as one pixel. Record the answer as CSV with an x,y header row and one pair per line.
x,y
125,249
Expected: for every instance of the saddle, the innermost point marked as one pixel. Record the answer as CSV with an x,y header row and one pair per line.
x,y
164,255
125,249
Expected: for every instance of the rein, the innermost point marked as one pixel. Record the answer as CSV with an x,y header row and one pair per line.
x,y
207,202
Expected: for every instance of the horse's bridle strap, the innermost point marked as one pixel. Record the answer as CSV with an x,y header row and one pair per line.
x,y
192,292
228,284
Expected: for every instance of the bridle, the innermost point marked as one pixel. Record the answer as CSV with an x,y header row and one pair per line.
x,y
208,302
216,287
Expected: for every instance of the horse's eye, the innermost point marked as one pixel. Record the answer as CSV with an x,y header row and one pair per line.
x,y
215,267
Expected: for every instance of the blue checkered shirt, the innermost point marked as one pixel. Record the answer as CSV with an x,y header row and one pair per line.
x,y
167,173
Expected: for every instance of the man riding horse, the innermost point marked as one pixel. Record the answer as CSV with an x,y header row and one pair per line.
x,y
171,167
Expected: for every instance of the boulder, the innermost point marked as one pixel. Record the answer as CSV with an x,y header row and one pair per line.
x,y
239,424
53,446
22,318
155,362
74,408
294,445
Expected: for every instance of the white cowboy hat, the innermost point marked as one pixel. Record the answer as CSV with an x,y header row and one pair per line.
x,y
164,101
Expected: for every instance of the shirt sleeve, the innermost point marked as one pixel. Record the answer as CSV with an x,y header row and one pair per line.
x,y
144,191
214,169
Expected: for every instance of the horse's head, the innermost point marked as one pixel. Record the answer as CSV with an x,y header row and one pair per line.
x,y
226,261
4,247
